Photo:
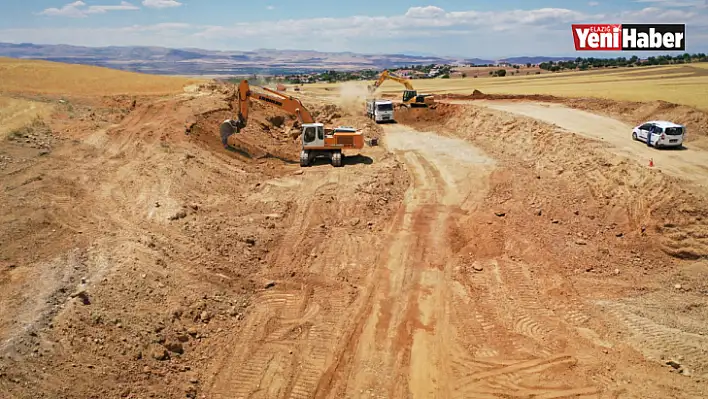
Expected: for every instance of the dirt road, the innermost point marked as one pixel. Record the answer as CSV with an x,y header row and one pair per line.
x,y
432,315
688,163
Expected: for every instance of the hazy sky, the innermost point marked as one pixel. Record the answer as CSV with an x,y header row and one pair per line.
x,y
485,29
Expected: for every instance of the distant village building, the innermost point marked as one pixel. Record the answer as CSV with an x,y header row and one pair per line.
x,y
405,72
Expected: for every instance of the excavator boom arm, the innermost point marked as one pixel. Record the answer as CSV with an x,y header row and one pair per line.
x,y
288,104
388,75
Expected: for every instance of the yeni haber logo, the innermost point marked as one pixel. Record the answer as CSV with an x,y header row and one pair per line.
x,y
626,37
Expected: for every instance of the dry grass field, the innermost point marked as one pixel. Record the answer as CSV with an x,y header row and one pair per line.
x,y
483,72
16,113
681,84
31,76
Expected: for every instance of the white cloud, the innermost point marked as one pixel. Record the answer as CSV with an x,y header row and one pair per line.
x,y
422,29
69,10
417,20
677,3
159,28
161,3
124,5
658,15
176,35
425,12
593,4
78,9
270,8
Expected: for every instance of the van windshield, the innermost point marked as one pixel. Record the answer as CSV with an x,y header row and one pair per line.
x,y
674,131
385,107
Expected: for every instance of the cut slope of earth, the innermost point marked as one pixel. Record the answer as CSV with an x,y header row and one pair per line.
x,y
687,163
632,113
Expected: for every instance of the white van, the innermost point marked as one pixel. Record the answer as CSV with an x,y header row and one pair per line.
x,y
665,133
380,110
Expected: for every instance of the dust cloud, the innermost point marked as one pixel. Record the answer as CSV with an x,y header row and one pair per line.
x,y
352,94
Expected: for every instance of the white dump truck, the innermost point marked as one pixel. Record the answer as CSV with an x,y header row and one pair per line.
x,y
380,110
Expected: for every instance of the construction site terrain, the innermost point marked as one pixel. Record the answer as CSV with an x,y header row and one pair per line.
x,y
492,247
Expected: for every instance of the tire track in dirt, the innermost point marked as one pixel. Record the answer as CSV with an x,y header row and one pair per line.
x,y
560,286
523,350
286,345
524,327
428,334
417,326
384,346
658,341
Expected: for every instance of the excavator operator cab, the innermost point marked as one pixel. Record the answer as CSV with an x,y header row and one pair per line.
x,y
313,135
408,94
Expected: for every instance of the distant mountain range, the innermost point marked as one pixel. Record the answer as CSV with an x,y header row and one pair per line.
x,y
192,61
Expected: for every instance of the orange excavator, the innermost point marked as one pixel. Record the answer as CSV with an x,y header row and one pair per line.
x,y
317,141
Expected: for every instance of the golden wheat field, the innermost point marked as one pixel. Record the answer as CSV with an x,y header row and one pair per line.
x,y
680,84
45,77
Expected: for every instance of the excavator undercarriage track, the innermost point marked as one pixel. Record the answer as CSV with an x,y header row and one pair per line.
x,y
308,156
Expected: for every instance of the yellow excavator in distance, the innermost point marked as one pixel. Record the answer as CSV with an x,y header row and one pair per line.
x,y
410,95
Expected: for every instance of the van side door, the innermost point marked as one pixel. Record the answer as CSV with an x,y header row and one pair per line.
x,y
644,131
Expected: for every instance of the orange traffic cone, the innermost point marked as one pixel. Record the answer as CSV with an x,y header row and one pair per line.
x,y
651,162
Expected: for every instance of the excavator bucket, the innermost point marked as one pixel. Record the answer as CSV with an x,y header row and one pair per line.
x,y
226,129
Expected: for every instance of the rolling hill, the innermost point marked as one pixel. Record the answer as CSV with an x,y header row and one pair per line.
x,y
192,61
